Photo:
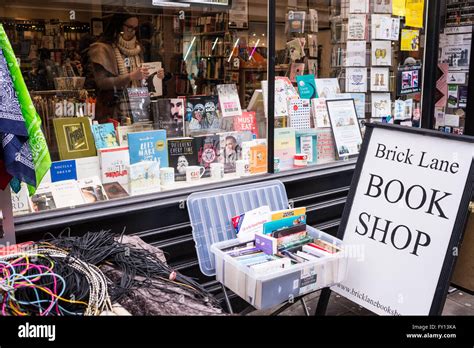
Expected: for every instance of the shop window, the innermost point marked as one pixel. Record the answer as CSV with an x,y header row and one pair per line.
x,y
144,99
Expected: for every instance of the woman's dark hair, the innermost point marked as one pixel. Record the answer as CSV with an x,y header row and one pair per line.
x,y
114,24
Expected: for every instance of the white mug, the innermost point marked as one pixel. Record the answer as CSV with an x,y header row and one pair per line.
x,y
217,171
194,173
242,167
167,176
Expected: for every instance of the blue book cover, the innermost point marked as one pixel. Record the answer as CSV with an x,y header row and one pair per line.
x,y
104,136
272,226
63,170
306,86
307,144
148,146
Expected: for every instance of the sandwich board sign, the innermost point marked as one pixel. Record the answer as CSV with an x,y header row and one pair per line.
x,y
405,215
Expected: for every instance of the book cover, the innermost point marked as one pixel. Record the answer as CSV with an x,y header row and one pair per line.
x,y
229,100
409,108
168,114
115,191
67,194
379,79
359,6
313,45
139,103
114,165
202,115
63,170
258,162
296,69
230,149
399,112
313,67
320,113
381,27
153,82
381,53
246,122
285,147
296,21
383,6
273,226
43,199
359,101
463,94
313,21
356,80
306,86
306,144
284,91
453,95
300,113
410,40
122,131
92,190
327,88
296,49
74,137
357,27
148,146
182,154
356,53
381,105
326,146
144,178
104,136
247,145
21,201
207,148
87,167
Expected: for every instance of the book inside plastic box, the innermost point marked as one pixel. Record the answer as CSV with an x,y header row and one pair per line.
x,y
210,215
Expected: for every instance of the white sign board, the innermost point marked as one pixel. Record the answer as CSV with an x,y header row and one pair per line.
x,y
405,214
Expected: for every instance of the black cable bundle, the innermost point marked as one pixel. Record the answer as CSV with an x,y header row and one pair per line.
x,y
139,267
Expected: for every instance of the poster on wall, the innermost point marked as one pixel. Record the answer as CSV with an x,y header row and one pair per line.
x,y
407,209
409,79
239,14
457,57
345,126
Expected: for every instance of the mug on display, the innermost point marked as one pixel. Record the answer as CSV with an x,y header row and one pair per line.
x,y
217,171
194,173
242,167
167,176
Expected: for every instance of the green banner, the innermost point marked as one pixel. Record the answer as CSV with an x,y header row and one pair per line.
x,y
37,141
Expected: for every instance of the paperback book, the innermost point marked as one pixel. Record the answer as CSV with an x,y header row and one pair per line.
x,y
114,165
231,149
148,146
139,104
285,147
168,114
104,136
153,82
182,154
229,100
92,190
207,148
202,115
144,178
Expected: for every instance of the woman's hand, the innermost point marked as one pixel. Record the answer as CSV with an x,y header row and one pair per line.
x,y
161,74
139,74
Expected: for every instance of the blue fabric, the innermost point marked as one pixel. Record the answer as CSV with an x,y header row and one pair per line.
x,y
13,133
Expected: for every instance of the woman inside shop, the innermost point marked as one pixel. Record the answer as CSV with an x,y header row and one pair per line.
x,y
117,65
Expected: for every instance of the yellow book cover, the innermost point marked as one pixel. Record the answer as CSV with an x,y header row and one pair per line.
x,y
283,214
74,137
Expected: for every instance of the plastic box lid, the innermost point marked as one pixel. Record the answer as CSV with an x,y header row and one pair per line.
x,y
211,212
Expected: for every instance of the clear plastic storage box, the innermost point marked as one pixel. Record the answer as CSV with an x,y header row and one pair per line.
x,y
211,213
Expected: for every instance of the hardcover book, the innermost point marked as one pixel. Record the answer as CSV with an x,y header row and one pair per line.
x,y
122,131
229,100
67,194
246,122
202,115
144,178
43,199
87,167
247,145
63,170
182,154
74,137
114,165
139,103
230,149
92,190
114,190
285,147
153,82
104,136
168,114
148,146
207,148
